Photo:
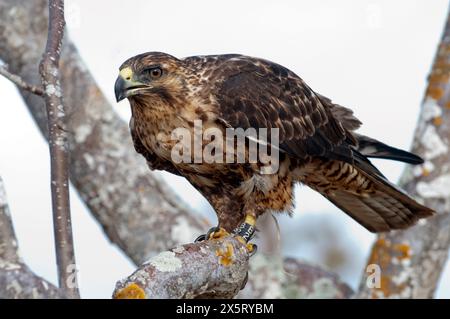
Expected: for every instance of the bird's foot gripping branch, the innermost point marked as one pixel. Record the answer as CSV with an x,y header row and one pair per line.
x,y
220,260
208,269
244,233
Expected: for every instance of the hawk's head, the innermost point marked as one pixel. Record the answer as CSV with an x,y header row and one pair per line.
x,y
149,75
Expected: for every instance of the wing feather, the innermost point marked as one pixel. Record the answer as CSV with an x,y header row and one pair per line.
x,y
255,93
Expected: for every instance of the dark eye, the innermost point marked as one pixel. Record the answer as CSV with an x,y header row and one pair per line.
x,y
154,72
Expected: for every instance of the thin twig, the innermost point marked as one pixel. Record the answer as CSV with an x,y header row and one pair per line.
x,y
17,80
59,156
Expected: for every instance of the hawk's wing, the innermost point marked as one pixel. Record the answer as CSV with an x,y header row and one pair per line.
x,y
262,94
256,93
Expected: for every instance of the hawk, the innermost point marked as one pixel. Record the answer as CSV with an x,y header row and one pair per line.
x,y
317,142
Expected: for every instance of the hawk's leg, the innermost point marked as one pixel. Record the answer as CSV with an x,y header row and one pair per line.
x,y
245,231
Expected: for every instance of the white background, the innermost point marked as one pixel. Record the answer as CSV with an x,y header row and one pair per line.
x,y
372,56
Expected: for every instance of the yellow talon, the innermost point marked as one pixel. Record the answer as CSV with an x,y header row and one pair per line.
x,y
221,233
250,247
226,256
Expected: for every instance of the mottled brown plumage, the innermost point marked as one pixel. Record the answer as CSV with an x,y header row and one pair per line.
x,y
318,144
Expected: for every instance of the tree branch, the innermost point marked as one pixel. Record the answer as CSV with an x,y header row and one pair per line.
x,y
209,269
271,277
16,279
136,209
412,261
17,80
8,243
59,156
217,268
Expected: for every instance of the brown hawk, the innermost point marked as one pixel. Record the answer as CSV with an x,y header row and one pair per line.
x,y
317,141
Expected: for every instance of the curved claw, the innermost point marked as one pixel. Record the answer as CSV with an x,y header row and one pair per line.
x,y
252,249
213,233
200,238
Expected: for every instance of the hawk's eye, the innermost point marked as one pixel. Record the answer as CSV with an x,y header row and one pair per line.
x,y
154,72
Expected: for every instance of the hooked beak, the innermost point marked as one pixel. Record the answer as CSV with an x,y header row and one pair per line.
x,y
125,85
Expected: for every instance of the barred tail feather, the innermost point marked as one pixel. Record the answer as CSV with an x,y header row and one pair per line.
x,y
365,195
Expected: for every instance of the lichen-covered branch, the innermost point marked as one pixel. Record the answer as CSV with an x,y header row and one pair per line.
x,y
59,156
217,268
209,269
272,277
16,279
136,209
412,261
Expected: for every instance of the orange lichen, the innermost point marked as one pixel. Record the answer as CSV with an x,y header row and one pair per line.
x,y
384,284
440,74
435,92
383,254
447,105
131,291
437,121
441,65
382,258
438,78
379,254
226,256
425,172
403,250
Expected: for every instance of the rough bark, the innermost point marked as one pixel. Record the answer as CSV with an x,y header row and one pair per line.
x,y
412,261
8,243
209,269
138,212
16,279
271,277
17,80
59,156
217,268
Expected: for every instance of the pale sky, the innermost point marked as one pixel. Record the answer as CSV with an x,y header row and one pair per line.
x,y
372,56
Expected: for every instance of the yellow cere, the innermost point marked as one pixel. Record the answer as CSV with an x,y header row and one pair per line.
x,y
126,73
